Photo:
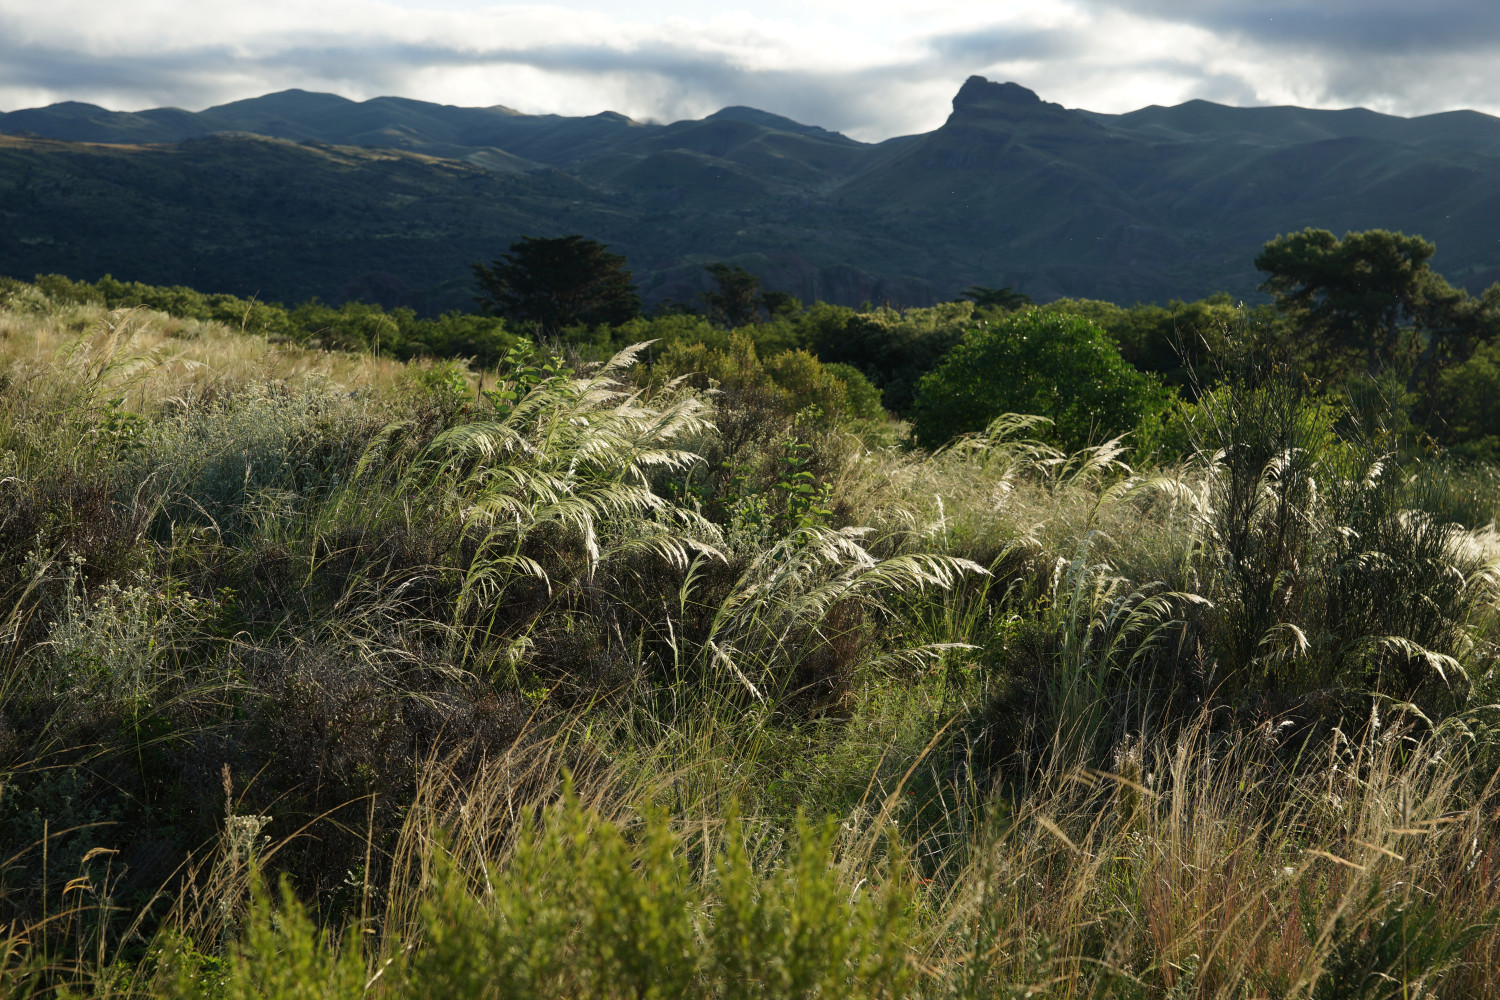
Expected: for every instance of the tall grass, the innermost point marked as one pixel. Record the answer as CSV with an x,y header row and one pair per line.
x,y
379,682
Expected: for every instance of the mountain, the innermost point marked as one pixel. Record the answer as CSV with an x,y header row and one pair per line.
x,y
295,194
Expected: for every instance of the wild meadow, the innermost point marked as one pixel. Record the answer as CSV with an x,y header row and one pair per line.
x,y
680,671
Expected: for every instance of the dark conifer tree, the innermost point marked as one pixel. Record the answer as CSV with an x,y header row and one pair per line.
x,y
735,300
997,298
545,285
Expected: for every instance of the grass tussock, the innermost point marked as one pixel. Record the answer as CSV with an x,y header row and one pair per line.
x,y
326,676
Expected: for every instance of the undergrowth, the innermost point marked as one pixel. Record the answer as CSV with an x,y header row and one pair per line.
x,y
636,679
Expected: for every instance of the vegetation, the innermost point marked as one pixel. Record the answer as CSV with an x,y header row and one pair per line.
x,y
607,669
1003,298
735,299
391,199
545,285
1051,365
352,326
1374,296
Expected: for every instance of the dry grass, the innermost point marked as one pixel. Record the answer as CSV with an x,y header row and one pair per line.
x,y
999,759
188,355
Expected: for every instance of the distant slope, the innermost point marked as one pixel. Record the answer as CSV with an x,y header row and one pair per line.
x,y
294,194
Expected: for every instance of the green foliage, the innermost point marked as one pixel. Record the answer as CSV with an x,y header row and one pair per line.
x,y
790,382
1469,418
550,284
355,326
1133,721
1403,941
220,461
1056,366
1352,294
734,300
587,909
1181,340
1373,296
894,349
866,402
282,955
672,328
997,298
780,303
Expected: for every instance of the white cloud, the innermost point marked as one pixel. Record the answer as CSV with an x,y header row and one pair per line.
x,y
872,69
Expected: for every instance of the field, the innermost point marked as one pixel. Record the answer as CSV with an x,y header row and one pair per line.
x,y
328,675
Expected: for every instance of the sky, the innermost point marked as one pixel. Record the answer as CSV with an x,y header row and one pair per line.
x,y
868,68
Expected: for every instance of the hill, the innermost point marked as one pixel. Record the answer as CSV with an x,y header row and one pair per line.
x,y
296,194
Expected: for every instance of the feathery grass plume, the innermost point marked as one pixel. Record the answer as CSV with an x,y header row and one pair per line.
x,y
565,476
510,712
777,610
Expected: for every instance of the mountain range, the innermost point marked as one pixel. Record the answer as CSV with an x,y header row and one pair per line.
x,y
295,195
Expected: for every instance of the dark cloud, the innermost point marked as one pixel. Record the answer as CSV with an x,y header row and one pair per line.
x,y
149,78
1004,44
1398,56
682,81
1206,83
1382,27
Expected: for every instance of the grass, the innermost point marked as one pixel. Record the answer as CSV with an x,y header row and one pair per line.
x,y
327,676
148,359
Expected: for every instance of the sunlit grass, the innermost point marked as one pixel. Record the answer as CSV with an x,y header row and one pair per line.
x,y
514,715
191,354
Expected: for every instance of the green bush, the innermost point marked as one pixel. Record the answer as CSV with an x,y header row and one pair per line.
x,y
1057,366
1468,419
214,460
789,383
351,326
586,909
894,348
866,401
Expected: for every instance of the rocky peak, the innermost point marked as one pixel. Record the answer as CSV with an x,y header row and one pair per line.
x,y
980,95
1011,109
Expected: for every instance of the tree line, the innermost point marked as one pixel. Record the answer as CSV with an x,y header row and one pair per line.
x,y
1365,314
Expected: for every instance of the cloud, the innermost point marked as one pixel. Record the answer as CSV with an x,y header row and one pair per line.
x,y
1390,55
870,69
533,59
1374,27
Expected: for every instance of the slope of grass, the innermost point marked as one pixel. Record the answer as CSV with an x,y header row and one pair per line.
x,y
328,676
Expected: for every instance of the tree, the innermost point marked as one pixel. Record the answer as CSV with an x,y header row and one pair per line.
x,y
780,303
1355,297
1046,364
996,298
735,300
550,284
1373,296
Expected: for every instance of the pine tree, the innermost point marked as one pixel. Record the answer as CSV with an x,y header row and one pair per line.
x,y
546,285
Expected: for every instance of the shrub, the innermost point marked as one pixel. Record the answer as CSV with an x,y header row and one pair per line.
x,y
894,348
788,383
866,401
215,457
586,909
1060,367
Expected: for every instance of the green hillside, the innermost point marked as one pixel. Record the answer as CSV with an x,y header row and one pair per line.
x,y
295,195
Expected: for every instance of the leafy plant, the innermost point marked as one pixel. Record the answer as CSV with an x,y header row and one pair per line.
x,y
1060,367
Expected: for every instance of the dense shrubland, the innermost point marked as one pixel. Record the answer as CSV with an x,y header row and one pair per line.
x,y
604,670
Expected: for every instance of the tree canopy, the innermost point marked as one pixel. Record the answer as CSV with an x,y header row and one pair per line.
x,y
735,299
552,283
1371,295
1047,364
997,298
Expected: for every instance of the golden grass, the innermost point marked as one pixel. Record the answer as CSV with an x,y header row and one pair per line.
x,y
1211,863
186,355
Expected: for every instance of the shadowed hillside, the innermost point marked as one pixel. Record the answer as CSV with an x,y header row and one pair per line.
x,y
295,194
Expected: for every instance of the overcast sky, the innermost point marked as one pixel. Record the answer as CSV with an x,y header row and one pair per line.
x,y
869,68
